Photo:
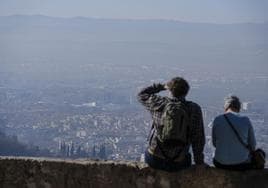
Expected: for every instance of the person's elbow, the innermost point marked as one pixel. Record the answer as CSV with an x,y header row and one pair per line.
x,y
141,97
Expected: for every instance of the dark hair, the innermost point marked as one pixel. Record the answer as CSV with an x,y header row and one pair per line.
x,y
178,86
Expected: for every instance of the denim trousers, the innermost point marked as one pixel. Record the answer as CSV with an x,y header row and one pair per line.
x,y
237,167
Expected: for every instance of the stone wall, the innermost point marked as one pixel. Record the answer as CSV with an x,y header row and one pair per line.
x,y
53,173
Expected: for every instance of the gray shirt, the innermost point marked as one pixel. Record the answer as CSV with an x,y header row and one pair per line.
x,y
228,148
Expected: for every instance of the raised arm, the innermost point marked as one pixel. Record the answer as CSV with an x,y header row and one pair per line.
x,y
148,98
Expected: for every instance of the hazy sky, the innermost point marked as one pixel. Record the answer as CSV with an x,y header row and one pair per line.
x,y
217,11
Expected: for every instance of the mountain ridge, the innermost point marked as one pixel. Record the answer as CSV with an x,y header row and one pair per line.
x,y
127,19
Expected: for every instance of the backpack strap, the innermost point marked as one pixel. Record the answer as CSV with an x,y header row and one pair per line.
x,y
237,134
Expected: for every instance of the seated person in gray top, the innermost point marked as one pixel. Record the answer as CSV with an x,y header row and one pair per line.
x,y
230,153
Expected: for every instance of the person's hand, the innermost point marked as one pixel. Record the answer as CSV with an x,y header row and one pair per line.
x,y
161,86
166,86
200,168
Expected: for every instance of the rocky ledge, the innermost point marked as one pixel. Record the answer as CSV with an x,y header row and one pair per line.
x,y
54,173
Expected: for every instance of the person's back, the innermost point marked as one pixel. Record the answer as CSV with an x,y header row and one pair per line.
x,y
230,153
228,149
167,156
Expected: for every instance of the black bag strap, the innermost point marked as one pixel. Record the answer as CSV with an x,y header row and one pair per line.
x,y
237,134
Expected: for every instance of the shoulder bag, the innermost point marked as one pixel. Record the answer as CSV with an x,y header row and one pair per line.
x,y
257,156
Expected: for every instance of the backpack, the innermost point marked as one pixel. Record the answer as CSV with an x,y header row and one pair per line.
x,y
175,123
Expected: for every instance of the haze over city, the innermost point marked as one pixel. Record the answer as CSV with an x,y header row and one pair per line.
x,y
70,70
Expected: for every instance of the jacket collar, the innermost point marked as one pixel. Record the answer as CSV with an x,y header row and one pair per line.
x,y
232,112
178,98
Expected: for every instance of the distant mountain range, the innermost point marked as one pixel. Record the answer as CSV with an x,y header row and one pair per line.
x,y
89,40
